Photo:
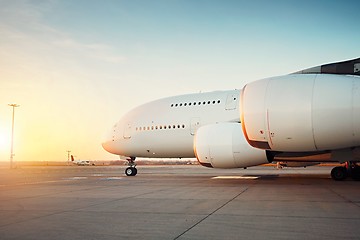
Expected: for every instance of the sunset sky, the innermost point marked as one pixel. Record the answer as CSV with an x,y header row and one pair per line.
x,y
75,67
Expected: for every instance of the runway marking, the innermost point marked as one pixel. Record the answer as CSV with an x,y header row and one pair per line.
x,y
75,178
33,183
57,181
235,177
112,178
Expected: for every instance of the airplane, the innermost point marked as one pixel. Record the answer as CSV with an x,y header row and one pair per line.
x,y
309,116
80,162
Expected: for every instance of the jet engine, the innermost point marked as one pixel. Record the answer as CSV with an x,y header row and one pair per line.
x,y
223,145
302,112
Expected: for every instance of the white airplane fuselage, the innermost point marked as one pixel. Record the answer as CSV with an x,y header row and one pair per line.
x,y
165,128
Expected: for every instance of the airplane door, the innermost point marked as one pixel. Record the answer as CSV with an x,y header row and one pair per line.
x,y
231,101
127,131
194,125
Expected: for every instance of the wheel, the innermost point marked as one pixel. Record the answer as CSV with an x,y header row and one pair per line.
x,y
131,171
338,173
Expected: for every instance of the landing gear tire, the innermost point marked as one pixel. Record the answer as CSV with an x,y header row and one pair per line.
x,y
130,171
339,173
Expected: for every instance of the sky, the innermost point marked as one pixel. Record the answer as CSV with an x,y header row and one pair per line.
x,y
75,67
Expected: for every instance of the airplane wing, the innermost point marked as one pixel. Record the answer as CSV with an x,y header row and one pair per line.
x,y
349,67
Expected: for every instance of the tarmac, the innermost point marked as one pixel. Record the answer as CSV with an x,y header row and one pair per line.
x,y
177,202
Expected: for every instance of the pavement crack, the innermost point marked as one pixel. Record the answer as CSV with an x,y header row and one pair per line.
x,y
343,197
210,214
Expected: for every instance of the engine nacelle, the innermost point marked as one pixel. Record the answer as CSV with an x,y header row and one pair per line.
x,y
223,145
297,113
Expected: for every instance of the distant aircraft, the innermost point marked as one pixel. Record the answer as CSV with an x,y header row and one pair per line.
x,y
80,162
304,115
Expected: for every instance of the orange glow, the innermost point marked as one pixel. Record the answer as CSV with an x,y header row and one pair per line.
x,y
5,139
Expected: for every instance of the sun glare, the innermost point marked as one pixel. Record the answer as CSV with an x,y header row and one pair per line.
x,y
4,142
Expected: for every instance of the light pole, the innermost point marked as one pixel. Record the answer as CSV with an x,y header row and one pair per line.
x,y
13,105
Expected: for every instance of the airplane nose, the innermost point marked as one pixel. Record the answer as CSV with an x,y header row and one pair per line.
x,y
105,145
108,142
110,146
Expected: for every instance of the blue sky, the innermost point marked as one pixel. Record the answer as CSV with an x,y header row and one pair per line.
x,y
76,67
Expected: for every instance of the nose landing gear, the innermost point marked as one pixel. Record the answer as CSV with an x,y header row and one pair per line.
x,y
131,170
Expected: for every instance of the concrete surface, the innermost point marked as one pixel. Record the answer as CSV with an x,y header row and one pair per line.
x,y
179,202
